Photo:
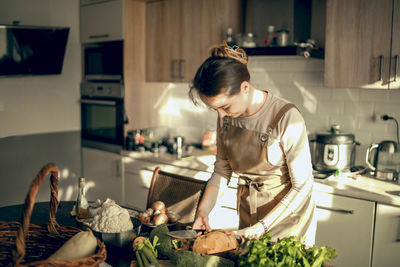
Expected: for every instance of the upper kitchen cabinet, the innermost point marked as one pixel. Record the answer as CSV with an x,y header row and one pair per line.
x,y
362,43
179,34
102,20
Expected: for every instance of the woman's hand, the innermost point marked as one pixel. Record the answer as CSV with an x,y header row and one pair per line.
x,y
201,222
253,232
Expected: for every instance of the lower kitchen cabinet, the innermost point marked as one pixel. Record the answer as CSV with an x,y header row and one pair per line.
x,y
345,224
387,236
137,179
137,188
103,173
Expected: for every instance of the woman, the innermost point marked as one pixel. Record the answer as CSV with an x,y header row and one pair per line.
x,y
263,139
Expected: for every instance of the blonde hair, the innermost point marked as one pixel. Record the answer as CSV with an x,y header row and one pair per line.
x,y
224,50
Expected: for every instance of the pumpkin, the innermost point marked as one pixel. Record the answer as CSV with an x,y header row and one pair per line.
x,y
214,242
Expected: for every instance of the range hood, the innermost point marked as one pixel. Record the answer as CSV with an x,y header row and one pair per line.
x,y
32,50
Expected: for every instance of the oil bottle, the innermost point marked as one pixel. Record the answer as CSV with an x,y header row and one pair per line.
x,y
82,205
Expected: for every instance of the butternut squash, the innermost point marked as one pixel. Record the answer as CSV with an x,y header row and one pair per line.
x,y
81,245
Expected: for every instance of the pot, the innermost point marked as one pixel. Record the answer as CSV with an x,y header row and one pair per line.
x,y
334,150
282,37
385,161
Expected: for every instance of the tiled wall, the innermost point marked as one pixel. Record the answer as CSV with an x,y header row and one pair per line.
x,y
300,80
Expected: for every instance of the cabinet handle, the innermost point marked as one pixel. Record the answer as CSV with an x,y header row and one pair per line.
x,y
181,68
380,78
99,36
396,63
173,68
98,102
118,168
398,229
336,210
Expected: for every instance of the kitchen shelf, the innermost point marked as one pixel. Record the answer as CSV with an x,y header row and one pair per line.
x,y
282,51
271,50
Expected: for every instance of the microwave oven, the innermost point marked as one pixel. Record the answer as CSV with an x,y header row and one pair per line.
x,y
103,61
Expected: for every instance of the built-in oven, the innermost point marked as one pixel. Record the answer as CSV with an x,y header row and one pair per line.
x,y
103,115
103,61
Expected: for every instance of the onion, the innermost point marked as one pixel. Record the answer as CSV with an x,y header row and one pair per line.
x,y
149,211
158,205
160,219
144,217
172,216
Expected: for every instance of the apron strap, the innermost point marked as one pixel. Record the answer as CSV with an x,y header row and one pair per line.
x,y
280,114
253,188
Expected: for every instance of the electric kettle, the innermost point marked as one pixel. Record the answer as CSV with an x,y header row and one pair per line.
x,y
386,160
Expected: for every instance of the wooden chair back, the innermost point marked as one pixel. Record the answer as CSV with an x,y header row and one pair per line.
x,y
180,194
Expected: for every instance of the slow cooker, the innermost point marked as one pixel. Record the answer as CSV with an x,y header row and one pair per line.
x,y
333,150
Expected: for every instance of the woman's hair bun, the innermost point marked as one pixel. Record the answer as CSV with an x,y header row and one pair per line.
x,y
235,52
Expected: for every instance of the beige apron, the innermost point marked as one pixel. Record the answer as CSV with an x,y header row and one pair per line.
x,y
261,184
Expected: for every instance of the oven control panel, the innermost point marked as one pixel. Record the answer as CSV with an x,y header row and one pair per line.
x,y
107,90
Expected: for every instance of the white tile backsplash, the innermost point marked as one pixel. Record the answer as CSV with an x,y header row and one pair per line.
x,y
276,77
348,94
375,95
268,64
306,78
357,108
300,80
394,97
329,107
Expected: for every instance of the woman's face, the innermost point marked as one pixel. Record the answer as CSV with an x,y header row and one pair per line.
x,y
233,106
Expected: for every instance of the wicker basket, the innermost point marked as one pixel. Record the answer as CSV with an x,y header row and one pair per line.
x,y
25,244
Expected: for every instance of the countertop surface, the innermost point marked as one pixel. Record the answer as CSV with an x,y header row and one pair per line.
x,y
346,184
361,187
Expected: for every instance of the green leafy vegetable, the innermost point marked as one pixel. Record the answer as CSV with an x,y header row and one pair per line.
x,y
186,258
165,247
146,252
288,252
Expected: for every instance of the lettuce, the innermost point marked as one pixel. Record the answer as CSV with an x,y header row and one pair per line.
x,y
288,252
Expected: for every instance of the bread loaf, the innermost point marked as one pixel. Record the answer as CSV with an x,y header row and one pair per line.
x,y
214,242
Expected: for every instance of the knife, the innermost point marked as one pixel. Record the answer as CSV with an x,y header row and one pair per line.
x,y
185,234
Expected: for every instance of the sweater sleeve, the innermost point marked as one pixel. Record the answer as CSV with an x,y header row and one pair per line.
x,y
222,168
295,145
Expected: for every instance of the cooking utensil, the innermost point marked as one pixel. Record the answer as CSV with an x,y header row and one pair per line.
x,y
283,37
185,234
116,239
386,160
334,150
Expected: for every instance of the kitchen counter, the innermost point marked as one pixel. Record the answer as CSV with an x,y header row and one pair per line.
x,y
360,186
199,160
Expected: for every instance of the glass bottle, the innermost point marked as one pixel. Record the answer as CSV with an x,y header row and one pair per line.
x,y
82,205
229,38
271,38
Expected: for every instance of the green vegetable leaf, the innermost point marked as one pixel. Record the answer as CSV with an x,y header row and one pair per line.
x,y
288,252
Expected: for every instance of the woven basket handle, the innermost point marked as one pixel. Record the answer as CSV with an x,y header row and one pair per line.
x,y
28,207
